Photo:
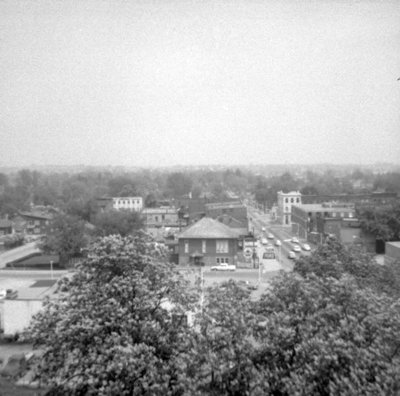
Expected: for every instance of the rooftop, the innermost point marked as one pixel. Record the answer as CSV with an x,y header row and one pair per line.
x,y
324,208
234,204
41,216
208,228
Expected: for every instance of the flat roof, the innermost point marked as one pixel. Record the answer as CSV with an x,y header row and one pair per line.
x,y
322,208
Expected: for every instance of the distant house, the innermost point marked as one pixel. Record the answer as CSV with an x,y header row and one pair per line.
x,y
208,241
6,227
160,222
119,203
128,203
32,223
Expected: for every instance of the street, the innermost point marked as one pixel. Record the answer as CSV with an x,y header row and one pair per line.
x,y
283,233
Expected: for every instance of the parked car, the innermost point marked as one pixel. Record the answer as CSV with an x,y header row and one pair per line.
x,y
270,236
295,240
223,267
264,241
297,248
292,255
278,243
8,294
306,247
263,229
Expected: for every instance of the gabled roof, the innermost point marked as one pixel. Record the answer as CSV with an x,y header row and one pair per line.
x,y
208,228
40,216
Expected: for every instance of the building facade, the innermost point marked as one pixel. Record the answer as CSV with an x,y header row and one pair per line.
x,y
6,227
232,214
128,203
326,218
368,199
31,223
208,242
285,203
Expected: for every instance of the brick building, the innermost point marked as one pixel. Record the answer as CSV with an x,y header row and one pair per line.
x,y
208,241
285,203
232,214
326,218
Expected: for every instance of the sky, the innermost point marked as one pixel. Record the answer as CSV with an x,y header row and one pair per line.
x,y
197,82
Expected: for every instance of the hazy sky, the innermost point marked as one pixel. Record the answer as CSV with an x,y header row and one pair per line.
x,y
167,82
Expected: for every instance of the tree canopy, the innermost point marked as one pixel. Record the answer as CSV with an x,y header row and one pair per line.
x,y
116,327
121,222
66,237
317,331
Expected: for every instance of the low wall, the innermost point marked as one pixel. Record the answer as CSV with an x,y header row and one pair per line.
x,y
17,314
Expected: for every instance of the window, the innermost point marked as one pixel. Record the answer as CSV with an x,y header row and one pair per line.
x,y
186,246
297,200
204,246
156,217
351,215
37,222
222,247
334,214
291,200
163,217
341,214
287,200
221,260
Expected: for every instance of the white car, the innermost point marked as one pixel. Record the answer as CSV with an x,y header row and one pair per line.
x,y
270,236
264,241
223,267
263,229
295,240
292,255
297,248
278,243
306,247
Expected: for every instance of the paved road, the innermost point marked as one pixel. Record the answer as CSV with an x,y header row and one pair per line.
x,y
18,253
284,234
31,274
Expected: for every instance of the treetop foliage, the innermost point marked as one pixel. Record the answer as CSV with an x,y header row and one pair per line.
x,y
108,331
118,327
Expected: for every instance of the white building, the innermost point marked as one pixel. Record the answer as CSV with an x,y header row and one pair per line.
x,y
285,202
128,203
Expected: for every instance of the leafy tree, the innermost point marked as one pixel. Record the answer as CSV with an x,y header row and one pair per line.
x,y
179,184
65,236
382,222
220,359
150,201
322,336
121,222
331,259
110,331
